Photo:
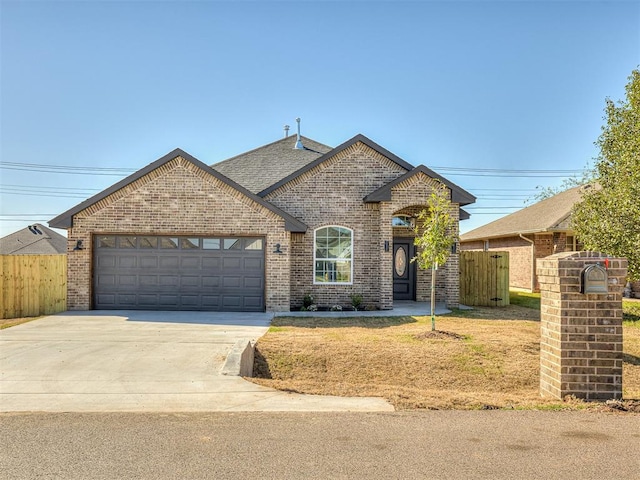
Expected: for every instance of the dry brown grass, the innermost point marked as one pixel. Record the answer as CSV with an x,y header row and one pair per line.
x,y
479,362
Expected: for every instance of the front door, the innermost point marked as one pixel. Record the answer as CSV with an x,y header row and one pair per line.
x,y
404,272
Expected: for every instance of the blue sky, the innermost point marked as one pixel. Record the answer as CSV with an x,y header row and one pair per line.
x,y
506,85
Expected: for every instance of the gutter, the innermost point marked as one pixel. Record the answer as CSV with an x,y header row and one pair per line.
x,y
533,261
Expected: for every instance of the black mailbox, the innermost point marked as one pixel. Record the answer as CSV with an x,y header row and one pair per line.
x,y
594,279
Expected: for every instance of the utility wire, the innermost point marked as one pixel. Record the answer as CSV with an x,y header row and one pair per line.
x,y
47,187
461,171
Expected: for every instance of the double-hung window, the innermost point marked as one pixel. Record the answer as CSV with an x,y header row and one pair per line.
x,y
333,250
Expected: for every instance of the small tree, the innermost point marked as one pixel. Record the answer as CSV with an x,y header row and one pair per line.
x,y
435,235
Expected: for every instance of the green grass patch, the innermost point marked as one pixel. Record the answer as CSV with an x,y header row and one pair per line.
x,y
275,329
631,313
525,299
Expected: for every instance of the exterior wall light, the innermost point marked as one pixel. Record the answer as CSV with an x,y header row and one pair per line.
x,y
78,245
277,250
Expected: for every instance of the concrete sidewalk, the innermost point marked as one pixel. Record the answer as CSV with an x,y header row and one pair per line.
x,y
142,362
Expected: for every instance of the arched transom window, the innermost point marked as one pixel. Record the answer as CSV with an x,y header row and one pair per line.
x,y
333,250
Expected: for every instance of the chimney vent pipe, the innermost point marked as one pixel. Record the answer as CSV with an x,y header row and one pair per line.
x,y
299,145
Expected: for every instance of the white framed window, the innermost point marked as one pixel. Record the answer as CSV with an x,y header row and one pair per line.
x,y
333,255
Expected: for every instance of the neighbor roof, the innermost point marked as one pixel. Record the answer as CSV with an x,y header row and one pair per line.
x,y
550,214
35,239
65,220
266,165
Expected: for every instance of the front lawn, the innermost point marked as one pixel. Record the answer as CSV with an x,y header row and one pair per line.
x,y
473,361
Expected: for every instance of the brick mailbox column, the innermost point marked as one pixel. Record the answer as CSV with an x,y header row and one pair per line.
x,y
581,333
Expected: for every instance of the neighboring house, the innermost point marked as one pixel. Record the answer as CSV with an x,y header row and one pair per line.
x,y
257,231
537,231
35,239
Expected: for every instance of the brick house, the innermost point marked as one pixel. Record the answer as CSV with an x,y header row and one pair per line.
x,y
34,239
537,231
257,232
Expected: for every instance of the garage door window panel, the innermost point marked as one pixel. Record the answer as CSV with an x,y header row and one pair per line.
x,y
232,244
254,244
107,241
148,242
127,242
189,243
168,242
211,243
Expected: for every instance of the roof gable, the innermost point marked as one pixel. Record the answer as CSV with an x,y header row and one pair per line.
x,y
262,167
458,195
65,220
550,214
35,239
358,138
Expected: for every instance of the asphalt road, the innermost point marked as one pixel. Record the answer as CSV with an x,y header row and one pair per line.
x,y
402,445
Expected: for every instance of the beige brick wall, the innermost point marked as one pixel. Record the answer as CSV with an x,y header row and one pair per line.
x,y
178,199
581,334
331,194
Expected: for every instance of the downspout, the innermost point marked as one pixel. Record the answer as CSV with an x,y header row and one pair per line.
x,y
533,261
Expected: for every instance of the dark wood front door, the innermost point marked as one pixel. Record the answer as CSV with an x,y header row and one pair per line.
x,y
404,272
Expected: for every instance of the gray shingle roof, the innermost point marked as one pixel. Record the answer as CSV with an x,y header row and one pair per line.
x,y
550,214
260,168
33,240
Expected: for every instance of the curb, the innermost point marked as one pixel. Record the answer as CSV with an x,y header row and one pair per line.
x,y
239,362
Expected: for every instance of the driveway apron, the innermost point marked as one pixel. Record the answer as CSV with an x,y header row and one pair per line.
x,y
138,361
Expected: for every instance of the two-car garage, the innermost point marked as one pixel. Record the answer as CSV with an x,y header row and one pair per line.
x,y
151,272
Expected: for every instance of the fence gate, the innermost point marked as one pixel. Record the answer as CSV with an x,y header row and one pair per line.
x,y
484,278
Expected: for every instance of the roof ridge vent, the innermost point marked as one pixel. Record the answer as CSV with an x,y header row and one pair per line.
x,y
299,145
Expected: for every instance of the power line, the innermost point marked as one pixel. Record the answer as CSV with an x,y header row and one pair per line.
x,y
460,171
505,189
490,213
498,175
467,169
28,214
43,194
67,170
46,187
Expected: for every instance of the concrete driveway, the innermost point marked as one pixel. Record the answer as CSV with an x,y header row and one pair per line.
x,y
131,361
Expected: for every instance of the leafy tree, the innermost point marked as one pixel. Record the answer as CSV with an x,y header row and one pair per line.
x,y
435,234
608,217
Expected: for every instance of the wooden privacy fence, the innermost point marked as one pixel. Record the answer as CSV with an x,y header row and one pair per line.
x,y
484,278
32,285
